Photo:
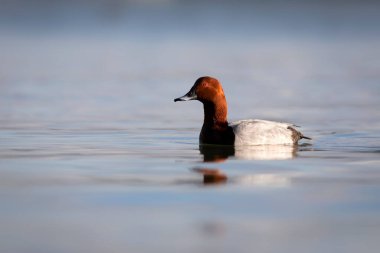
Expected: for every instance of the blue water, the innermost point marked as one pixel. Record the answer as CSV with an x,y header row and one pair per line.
x,y
96,157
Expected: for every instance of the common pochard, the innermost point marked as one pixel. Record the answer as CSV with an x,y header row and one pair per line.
x,y
217,130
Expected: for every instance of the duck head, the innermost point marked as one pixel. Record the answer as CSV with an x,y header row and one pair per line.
x,y
205,89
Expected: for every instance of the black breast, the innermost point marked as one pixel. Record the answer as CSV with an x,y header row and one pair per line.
x,y
217,135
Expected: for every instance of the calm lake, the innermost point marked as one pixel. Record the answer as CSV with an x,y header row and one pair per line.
x,y
96,157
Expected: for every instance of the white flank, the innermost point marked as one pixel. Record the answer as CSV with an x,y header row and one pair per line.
x,y
261,132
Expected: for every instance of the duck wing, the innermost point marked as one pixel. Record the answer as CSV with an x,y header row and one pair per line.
x,y
264,132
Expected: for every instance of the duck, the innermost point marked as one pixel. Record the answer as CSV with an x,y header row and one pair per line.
x,y
216,129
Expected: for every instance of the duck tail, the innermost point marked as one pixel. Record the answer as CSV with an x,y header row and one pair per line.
x,y
296,135
305,137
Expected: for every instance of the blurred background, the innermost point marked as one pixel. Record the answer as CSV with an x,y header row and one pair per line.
x,y
125,60
96,157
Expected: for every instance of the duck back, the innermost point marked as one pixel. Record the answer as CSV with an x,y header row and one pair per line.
x,y
264,132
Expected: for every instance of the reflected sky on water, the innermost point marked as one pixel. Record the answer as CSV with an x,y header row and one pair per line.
x,y
96,157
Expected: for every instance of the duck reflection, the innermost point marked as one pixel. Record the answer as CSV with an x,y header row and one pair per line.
x,y
215,153
211,176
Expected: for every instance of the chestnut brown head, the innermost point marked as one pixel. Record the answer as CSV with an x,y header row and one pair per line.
x,y
205,89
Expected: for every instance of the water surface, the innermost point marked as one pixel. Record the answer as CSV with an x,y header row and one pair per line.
x,y
96,157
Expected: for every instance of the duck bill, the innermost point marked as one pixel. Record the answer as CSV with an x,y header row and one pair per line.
x,y
189,96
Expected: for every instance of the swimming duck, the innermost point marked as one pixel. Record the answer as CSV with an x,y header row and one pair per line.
x,y
217,130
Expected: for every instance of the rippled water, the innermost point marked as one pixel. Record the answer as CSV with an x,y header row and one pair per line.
x,y
96,157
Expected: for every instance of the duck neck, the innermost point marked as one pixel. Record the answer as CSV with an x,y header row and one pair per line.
x,y
215,114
